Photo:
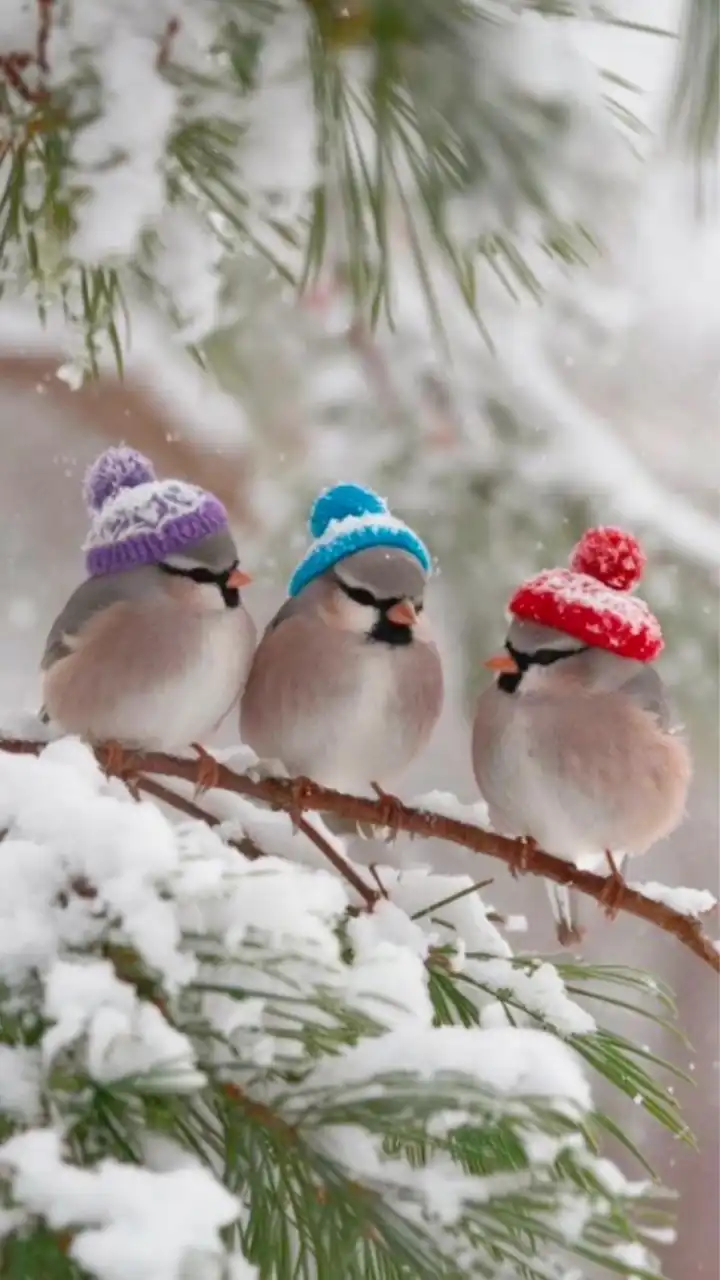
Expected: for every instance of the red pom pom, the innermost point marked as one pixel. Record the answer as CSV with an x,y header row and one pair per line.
x,y
610,555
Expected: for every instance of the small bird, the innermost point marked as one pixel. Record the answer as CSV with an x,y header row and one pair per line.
x,y
573,746
346,684
152,650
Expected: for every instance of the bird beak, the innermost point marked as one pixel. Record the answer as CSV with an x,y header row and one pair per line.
x,y
502,662
238,578
403,612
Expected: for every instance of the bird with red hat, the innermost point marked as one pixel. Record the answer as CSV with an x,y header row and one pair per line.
x,y
574,746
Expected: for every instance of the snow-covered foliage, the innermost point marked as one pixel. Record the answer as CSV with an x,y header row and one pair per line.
x,y
309,134
210,1069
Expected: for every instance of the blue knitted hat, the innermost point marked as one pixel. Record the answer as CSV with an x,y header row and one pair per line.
x,y
347,519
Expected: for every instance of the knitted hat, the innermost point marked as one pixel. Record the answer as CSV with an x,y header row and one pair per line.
x,y
137,519
590,601
347,519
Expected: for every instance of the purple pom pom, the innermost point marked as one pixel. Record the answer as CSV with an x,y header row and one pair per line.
x,y
115,469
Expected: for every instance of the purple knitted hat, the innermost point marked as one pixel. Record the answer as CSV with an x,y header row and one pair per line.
x,y
137,519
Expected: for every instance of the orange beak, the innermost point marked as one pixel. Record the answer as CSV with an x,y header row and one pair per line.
x,y
502,662
403,612
238,578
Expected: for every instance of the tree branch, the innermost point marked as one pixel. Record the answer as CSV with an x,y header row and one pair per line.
x,y
285,794
192,809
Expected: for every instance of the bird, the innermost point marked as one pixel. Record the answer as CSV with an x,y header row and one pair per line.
x,y
346,684
152,649
574,745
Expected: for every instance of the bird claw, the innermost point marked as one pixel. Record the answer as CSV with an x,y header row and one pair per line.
x,y
569,935
117,762
390,814
300,789
613,891
208,770
521,863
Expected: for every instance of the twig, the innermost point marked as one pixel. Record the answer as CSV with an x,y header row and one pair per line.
x,y
279,794
192,810
12,66
45,8
163,53
341,865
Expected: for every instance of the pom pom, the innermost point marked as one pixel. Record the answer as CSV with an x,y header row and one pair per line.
x,y
610,555
115,469
342,501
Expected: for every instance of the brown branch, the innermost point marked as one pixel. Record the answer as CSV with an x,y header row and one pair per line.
x,y
163,54
13,65
369,895
45,8
193,810
282,793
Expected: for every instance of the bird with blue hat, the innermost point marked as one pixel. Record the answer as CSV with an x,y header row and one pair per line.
x,y
346,684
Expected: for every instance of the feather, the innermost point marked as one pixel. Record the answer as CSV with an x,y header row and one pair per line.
x,y
331,703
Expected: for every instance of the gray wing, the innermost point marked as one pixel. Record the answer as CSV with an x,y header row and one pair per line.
x,y
305,600
646,688
288,609
90,598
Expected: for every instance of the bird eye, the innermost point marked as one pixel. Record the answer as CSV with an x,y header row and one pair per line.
x,y
359,595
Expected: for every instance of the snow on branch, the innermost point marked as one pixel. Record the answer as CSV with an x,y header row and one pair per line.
x,y
294,796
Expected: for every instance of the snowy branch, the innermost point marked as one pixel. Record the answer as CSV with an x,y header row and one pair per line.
x,y
295,795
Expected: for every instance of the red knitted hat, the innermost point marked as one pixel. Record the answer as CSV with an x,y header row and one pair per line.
x,y
590,601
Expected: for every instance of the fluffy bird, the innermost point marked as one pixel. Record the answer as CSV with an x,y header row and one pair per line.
x,y
152,650
573,745
346,685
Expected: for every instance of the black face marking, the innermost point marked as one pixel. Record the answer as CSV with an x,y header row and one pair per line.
x,y
358,594
230,595
509,681
384,631
393,633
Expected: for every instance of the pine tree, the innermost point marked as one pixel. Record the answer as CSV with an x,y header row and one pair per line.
x,y
217,1060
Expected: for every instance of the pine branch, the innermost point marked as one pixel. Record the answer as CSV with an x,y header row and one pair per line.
x,y
295,795
192,809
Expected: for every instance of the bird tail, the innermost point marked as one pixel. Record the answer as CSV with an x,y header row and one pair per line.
x,y
565,909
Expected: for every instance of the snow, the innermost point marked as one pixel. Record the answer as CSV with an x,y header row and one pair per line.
x,y
125,1037
689,902
278,155
512,1062
240,955
448,805
128,1221
539,990
124,198
20,1080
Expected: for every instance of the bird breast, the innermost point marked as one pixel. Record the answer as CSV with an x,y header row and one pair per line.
x,y
154,674
581,773
340,708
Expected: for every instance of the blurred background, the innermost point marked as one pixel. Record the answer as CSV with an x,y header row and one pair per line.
x,y
599,400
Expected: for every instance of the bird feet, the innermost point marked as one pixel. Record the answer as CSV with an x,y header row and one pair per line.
x,y
522,860
569,935
614,889
208,770
390,813
300,789
118,762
